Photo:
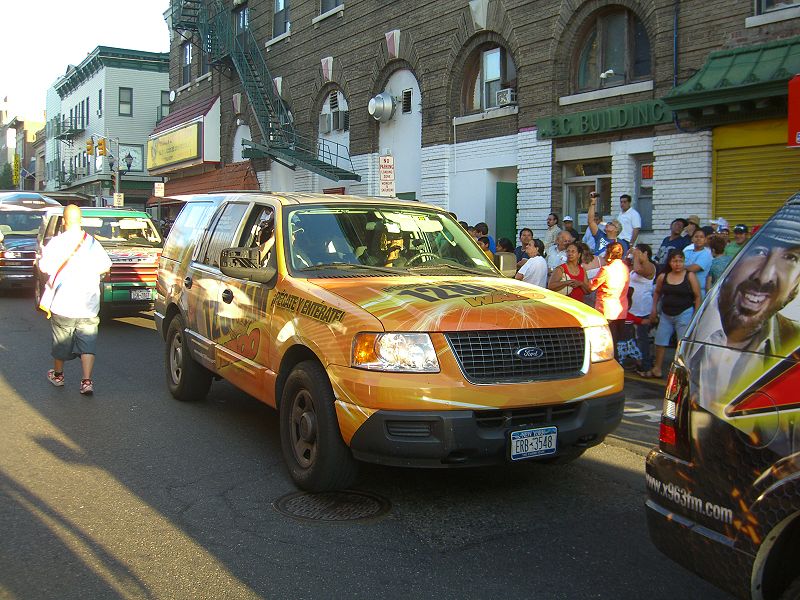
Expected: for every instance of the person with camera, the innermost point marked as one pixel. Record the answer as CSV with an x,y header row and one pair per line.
x,y
609,235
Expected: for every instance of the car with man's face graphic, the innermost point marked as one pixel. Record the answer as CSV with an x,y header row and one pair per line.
x,y
724,484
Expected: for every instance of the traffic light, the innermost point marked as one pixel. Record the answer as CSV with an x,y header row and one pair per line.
x,y
101,147
113,181
90,146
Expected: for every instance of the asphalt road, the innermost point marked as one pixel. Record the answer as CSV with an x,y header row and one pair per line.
x,y
130,494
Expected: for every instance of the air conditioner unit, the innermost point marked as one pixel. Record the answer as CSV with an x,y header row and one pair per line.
x,y
80,172
340,120
506,97
325,123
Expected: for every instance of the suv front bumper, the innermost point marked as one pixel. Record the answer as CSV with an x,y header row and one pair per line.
x,y
16,277
472,438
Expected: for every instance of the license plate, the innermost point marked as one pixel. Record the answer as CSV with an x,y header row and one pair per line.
x,y
143,294
530,443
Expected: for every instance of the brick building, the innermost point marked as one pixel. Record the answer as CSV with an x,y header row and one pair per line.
x,y
499,110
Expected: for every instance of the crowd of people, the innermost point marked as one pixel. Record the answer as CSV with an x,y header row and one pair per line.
x,y
607,268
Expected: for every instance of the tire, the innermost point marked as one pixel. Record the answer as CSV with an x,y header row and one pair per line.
x,y
187,380
316,456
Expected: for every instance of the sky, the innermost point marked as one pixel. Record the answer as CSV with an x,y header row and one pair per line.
x,y
46,36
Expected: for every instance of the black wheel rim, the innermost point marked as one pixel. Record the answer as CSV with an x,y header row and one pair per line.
x,y
303,429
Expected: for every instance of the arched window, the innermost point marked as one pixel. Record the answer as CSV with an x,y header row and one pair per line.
x,y
615,51
489,69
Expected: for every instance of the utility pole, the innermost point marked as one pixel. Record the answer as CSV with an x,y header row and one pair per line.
x,y
119,164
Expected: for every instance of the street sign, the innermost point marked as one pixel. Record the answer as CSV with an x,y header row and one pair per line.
x,y
119,200
15,174
386,171
159,191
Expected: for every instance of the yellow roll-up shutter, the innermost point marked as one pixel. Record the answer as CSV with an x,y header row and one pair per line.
x,y
754,171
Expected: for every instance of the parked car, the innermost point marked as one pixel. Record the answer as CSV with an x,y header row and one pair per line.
x,y
20,217
724,484
27,199
381,332
134,245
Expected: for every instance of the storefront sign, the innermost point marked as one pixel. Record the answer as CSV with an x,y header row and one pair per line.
x,y
177,146
794,112
626,116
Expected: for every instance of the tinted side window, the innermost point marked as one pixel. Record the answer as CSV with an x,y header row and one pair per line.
x,y
223,235
191,218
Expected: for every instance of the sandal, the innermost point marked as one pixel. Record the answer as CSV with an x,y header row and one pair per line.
x,y
649,374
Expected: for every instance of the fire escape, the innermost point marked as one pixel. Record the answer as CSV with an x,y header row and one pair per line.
x,y
213,24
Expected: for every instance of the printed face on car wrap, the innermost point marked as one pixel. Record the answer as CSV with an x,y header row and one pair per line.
x,y
744,346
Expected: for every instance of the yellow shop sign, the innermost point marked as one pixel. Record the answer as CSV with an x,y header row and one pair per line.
x,y
175,146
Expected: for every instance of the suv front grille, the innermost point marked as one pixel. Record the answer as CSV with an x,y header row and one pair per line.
x,y
530,416
21,258
491,356
133,272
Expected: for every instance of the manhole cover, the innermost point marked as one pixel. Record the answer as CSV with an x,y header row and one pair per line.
x,y
332,506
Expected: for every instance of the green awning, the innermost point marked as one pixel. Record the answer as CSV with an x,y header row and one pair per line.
x,y
739,75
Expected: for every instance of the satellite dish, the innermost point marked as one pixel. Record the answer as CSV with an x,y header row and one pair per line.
x,y
172,95
381,107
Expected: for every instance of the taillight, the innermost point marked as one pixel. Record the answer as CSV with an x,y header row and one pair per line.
x,y
673,434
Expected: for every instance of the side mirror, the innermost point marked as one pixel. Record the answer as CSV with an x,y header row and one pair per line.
x,y
244,263
506,262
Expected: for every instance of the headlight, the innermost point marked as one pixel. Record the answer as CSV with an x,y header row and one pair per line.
x,y
9,254
601,343
411,352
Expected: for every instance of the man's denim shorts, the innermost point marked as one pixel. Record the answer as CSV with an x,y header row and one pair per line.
x,y
73,337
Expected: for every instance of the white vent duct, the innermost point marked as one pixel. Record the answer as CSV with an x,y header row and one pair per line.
x,y
381,107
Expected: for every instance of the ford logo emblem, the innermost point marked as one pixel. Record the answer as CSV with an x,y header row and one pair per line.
x,y
530,353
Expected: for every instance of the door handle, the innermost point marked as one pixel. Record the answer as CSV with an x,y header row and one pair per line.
x,y
188,283
227,296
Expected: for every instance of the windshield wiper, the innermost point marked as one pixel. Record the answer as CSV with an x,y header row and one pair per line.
x,y
346,266
449,265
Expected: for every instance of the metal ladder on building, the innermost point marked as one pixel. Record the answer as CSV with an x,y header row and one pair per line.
x,y
213,23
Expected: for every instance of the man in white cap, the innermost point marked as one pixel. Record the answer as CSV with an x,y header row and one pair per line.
x,y
567,220
719,224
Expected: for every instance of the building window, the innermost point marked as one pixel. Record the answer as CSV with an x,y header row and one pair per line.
x,y
241,20
99,103
327,5
163,110
489,69
186,63
87,110
205,55
615,51
125,102
581,178
764,6
280,19
644,191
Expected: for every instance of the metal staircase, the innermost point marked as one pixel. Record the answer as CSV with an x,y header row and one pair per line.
x,y
280,139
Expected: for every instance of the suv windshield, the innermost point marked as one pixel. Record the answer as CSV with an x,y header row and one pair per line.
x,y
120,230
19,222
398,238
